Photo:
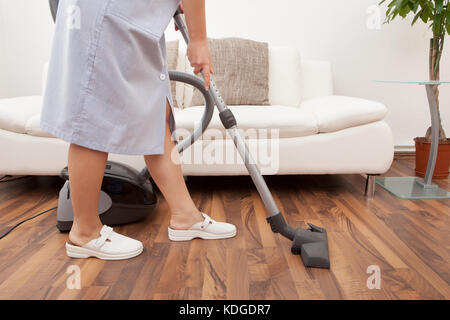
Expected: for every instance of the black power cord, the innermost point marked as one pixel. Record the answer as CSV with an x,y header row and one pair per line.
x,y
4,234
8,178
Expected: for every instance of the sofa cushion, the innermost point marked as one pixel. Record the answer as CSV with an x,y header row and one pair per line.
x,y
290,121
15,112
335,113
241,71
285,76
316,79
33,127
172,62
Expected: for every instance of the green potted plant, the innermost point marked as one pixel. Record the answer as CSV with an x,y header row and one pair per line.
x,y
436,13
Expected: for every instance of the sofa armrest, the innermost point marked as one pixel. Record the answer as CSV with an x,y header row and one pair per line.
x,y
316,79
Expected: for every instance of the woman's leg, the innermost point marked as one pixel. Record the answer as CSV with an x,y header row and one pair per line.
x,y
168,176
86,170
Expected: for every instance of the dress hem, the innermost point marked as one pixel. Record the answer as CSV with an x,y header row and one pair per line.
x,y
70,138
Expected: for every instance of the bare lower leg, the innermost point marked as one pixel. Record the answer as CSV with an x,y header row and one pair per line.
x,y
167,174
86,170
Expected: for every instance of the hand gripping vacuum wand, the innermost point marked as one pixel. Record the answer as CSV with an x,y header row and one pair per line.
x,y
311,243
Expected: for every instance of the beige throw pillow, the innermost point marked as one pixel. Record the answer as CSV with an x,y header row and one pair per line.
x,y
241,71
171,60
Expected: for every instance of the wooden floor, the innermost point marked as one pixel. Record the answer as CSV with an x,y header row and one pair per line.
x,y
407,239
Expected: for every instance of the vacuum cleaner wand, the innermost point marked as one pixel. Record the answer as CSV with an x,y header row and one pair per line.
x,y
311,243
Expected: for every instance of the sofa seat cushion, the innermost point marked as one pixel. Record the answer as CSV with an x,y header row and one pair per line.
x,y
33,127
241,68
289,122
334,113
15,112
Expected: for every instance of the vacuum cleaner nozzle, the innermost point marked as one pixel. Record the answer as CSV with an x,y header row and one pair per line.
x,y
311,243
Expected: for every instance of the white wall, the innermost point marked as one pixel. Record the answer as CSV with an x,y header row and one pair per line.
x,y
3,71
332,30
25,37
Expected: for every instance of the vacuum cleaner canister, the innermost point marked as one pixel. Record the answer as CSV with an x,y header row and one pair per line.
x,y
126,196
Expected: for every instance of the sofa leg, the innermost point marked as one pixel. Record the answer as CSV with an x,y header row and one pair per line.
x,y
370,185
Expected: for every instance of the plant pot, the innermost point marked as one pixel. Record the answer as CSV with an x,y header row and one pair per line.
x,y
422,154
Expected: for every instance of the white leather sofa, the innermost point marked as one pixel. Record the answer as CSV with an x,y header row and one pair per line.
x,y
309,129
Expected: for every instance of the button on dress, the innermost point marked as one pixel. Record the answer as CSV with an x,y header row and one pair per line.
x,y
108,80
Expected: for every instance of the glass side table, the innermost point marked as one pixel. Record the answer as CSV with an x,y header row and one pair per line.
x,y
414,187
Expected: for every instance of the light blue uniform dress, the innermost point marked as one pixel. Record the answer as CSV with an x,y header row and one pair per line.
x,y
108,80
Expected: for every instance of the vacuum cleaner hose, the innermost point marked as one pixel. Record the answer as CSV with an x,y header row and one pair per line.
x,y
207,113
54,8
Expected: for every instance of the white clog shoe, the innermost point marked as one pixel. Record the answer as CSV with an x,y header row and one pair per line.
x,y
208,229
109,246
